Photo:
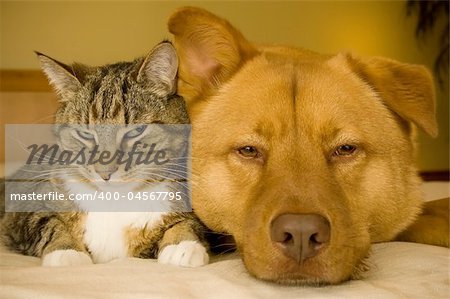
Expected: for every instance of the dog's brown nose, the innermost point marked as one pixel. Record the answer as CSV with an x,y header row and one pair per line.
x,y
300,236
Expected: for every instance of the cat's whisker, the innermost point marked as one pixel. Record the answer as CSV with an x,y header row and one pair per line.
x,y
225,252
170,166
168,173
43,158
176,183
224,244
40,120
46,174
176,175
175,166
187,158
183,186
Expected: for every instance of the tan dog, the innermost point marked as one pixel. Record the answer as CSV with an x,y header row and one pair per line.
x,y
304,158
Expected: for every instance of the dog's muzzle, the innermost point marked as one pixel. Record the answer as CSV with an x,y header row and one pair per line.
x,y
300,236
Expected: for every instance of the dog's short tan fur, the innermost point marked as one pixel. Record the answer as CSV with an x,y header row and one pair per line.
x,y
296,108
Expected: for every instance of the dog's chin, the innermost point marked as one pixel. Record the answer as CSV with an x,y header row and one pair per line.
x,y
313,274
299,281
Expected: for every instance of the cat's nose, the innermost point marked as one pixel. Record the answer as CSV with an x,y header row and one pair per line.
x,y
106,175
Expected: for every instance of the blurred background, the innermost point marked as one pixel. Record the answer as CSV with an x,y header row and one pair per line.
x,y
100,32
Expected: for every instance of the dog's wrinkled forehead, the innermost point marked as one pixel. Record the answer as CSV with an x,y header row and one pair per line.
x,y
291,89
289,102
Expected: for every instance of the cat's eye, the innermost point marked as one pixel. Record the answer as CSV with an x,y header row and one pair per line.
x,y
85,135
135,132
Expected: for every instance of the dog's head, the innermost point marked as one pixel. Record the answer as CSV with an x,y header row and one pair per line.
x,y
304,158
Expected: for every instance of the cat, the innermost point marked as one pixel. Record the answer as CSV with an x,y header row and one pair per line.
x,y
126,93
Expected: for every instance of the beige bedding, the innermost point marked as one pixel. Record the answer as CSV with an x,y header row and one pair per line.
x,y
398,270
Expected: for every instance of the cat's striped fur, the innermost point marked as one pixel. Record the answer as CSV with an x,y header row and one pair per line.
x,y
142,92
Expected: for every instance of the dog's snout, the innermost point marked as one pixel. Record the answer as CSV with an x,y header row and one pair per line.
x,y
300,236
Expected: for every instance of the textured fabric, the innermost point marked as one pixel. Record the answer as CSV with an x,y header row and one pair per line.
x,y
397,270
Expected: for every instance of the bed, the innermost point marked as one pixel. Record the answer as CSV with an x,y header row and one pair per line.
x,y
398,270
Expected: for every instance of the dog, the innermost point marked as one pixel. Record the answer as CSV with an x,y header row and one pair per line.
x,y
305,159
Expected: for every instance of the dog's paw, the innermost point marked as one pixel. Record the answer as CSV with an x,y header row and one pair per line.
x,y
184,254
61,258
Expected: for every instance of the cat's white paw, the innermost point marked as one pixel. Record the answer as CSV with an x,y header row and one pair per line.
x,y
184,254
61,258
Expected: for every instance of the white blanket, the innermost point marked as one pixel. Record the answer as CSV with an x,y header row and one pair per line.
x,y
398,270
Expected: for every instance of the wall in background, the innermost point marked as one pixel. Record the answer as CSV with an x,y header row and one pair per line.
x,y
107,31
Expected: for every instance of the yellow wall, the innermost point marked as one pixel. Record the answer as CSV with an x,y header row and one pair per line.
x,y
108,31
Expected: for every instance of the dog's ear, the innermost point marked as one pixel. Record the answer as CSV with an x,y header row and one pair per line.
x,y
210,50
407,89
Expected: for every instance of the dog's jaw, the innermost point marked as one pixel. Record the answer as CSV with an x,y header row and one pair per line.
x,y
316,273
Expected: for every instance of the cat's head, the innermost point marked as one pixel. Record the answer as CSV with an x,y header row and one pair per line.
x,y
111,108
141,91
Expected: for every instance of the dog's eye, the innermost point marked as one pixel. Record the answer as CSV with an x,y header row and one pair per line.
x,y
345,150
249,152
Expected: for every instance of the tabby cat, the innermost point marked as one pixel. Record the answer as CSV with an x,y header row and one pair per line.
x,y
125,93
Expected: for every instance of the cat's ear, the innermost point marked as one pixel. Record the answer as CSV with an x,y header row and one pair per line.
x,y
160,67
62,77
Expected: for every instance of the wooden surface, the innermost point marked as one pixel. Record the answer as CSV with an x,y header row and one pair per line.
x,y
23,80
25,98
25,108
435,175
